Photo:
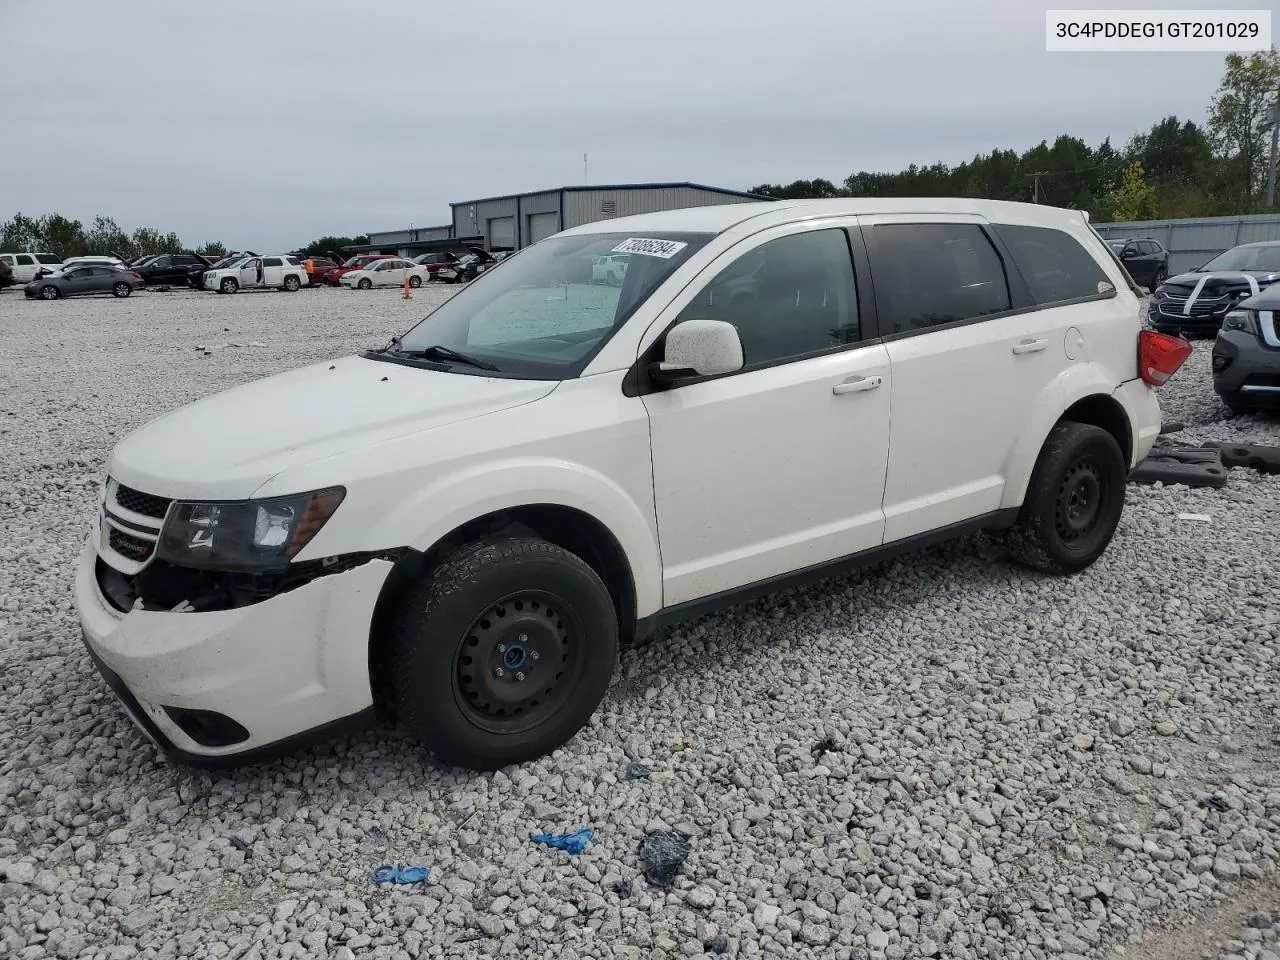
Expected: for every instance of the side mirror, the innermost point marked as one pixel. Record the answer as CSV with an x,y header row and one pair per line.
x,y
703,348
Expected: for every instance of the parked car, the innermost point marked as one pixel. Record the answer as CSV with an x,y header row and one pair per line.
x,y
257,273
435,262
78,281
458,529
172,269
87,262
1146,260
6,274
27,266
386,273
195,276
610,269
1199,300
357,263
467,267
320,270
1246,354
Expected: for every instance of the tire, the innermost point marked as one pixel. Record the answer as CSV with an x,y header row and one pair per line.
x,y
229,285
121,290
291,284
1073,502
1160,277
415,282
49,292
1239,409
489,619
365,283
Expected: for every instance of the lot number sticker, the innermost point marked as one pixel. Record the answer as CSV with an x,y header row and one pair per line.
x,y
666,249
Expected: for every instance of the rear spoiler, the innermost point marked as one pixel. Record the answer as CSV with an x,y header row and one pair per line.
x,y
1137,290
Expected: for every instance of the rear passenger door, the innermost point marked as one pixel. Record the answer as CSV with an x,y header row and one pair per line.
x,y
968,361
272,271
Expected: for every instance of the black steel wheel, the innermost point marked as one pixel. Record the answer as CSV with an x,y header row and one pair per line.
x,y
501,653
1073,502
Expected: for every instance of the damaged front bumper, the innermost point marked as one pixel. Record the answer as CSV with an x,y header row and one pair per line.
x,y
232,685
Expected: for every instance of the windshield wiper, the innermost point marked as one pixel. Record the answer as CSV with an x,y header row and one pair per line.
x,y
444,353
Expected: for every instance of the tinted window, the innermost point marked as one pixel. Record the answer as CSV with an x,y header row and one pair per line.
x,y
1150,247
789,297
932,273
161,262
48,258
1054,264
272,262
26,260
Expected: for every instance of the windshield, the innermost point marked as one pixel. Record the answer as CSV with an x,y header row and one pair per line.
x,y
540,314
1245,258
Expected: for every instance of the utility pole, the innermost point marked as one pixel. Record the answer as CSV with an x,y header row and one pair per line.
x,y
1271,164
1035,186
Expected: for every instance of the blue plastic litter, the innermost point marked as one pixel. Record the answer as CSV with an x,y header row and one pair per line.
x,y
389,874
569,842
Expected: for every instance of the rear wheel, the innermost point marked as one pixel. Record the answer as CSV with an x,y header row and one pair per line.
x,y
1073,502
365,283
1161,276
50,292
229,285
291,283
502,653
415,282
121,289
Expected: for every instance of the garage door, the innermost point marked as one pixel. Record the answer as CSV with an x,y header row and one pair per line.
x,y
502,233
542,225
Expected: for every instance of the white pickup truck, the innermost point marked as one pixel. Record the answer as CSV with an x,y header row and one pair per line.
x,y
258,273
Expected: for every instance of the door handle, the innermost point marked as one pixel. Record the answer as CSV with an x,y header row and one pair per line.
x,y
856,385
1030,346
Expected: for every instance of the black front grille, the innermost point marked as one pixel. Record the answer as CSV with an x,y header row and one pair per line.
x,y
146,504
135,548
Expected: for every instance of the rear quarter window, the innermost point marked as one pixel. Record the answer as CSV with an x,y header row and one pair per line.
x,y
1055,265
48,258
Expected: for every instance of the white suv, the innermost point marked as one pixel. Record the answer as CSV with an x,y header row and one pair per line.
x,y
27,266
457,530
258,273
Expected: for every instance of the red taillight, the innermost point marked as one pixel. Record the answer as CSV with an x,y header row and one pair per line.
x,y
136,275
1160,356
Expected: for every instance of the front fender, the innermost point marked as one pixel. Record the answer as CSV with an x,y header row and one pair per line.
x,y
458,498
1072,385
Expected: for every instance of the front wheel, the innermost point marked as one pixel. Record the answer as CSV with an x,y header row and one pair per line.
x,y
365,283
1073,502
229,285
415,282
50,292
502,653
1160,277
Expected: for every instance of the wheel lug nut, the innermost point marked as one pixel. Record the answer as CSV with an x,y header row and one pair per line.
x,y
497,671
520,675
524,638
502,648
534,655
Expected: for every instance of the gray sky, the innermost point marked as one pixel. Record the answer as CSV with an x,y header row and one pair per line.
x,y
265,124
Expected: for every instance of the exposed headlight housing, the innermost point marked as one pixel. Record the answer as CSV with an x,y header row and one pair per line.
x,y
1243,320
246,535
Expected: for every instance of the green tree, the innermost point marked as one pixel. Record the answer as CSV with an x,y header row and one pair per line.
x,y
21,233
105,238
1134,199
150,240
61,236
1240,124
322,246
212,249
818,189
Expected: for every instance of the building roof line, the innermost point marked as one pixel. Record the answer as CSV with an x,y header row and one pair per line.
x,y
583,188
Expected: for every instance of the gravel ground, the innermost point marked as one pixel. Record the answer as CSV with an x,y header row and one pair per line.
x,y
943,756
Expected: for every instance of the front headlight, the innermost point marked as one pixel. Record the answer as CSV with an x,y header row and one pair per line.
x,y
1244,320
248,535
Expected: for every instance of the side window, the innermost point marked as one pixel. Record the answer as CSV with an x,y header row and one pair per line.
x,y
26,260
788,298
7,258
1054,264
161,262
928,274
272,262
1150,247
48,258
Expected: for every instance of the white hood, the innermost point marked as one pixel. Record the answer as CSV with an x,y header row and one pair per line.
x,y
227,445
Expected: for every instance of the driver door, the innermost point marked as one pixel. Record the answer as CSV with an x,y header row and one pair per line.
x,y
781,465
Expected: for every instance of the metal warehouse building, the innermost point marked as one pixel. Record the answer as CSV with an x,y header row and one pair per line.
x,y
516,220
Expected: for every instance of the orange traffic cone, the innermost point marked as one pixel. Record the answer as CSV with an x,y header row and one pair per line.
x,y
406,295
